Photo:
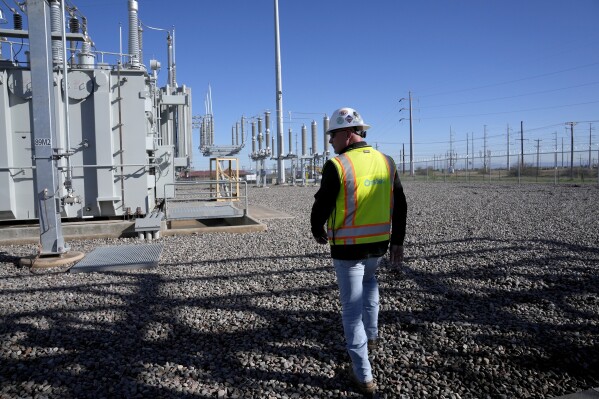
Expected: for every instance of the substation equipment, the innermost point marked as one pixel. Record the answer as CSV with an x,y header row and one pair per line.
x,y
308,161
82,137
224,166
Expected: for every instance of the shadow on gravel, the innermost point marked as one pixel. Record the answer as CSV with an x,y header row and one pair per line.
x,y
135,337
503,314
7,258
479,316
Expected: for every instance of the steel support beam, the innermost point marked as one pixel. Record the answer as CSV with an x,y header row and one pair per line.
x,y
45,154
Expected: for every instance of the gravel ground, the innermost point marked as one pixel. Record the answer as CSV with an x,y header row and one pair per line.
x,y
498,298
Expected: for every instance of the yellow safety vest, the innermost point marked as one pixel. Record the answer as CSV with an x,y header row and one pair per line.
x,y
364,204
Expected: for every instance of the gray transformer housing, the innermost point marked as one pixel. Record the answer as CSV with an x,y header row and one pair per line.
x,y
127,139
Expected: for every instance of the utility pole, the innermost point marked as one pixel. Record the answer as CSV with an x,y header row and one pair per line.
x,y
411,138
403,161
562,152
411,133
484,148
571,148
450,150
590,145
522,143
538,147
472,146
508,148
555,161
467,158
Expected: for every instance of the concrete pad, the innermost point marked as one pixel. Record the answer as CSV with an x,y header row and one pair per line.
x,y
90,229
44,262
30,234
262,212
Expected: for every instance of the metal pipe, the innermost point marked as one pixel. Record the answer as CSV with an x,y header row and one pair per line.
x,y
120,101
110,166
68,182
325,127
279,96
120,43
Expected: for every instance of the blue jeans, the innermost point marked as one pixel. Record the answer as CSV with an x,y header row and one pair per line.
x,y
359,293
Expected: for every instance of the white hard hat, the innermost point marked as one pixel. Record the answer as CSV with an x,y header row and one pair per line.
x,y
346,117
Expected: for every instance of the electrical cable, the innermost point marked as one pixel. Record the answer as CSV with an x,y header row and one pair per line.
x,y
512,81
14,58
528,130
153,28
508,97
511,112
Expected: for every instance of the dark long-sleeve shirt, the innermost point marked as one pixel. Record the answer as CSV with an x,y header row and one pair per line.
x,y
324,205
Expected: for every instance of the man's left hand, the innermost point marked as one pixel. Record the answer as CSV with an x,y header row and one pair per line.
x,y
322,238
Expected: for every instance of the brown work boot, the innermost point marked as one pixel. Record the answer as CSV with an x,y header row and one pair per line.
x,y
373,344
365,388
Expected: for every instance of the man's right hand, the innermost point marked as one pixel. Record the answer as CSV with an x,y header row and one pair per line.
x,y
396,255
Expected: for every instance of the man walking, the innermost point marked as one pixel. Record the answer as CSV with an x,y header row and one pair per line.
x,y
361,199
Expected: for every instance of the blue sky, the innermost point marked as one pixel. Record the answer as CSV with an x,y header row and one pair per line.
x,y
471,65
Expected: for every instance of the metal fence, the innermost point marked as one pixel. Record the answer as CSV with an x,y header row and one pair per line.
x,y
542,167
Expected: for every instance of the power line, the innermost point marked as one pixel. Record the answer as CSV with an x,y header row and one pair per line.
x,y
508,97
512,81
499,135
510,112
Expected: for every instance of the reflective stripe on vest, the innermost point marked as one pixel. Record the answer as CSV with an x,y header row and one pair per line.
x,y
362,231
343,228
350,190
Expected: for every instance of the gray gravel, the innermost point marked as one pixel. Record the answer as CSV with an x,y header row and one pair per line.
x,y
498,298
